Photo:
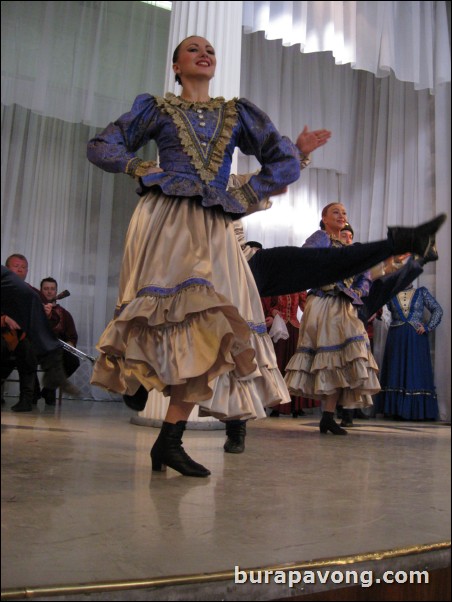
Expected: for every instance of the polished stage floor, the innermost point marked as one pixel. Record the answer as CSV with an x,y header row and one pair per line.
x,y
81,506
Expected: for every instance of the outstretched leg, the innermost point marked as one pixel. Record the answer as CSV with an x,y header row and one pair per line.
x,y
286,270
385,288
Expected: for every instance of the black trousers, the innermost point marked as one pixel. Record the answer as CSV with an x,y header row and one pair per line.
x,y
285,270
385,288
23,358
23,304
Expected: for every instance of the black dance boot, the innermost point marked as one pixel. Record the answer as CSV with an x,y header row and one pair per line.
x,y
360,414
49,396
327,424
415,240
27,389
138,400
347,417
431,254
168,451
236,433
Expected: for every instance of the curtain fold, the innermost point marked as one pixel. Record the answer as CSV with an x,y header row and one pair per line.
x,y
66,216
410,39
68,69
81,62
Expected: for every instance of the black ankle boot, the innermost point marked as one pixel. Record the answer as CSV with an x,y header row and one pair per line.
x,y
22,406
27,389
415,240
138,400
236,433
347,417
327,424
431,254
168,451
49,396
360,414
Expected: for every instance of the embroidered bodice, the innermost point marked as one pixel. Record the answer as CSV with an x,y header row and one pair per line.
x,y
408,307
354,288
196,142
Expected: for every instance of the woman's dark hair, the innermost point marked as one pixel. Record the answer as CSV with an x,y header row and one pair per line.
x,y
176,56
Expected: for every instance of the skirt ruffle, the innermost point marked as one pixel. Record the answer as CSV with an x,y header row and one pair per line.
x,y
407,380
333,355
189,321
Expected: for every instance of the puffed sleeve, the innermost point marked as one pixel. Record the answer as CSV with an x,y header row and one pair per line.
x,y
239,183
278,156
319,239
362,283
114,148
434,308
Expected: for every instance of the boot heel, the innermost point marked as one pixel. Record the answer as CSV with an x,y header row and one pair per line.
x,y
158,466
157,461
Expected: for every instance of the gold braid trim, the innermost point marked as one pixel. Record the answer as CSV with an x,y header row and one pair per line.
x,y
142,168
245,195
305,160
206,166
177,101
133,165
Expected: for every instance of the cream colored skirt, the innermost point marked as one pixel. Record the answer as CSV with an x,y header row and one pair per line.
x,y
189,320
333,355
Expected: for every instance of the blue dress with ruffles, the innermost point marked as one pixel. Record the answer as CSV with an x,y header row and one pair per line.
x,y
407,383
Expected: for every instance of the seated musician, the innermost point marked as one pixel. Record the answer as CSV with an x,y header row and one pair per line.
x,y
17,353
64,329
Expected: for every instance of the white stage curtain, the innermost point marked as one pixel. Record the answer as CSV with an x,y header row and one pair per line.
x,y
81,62
385,160
410,39
66,65
66,216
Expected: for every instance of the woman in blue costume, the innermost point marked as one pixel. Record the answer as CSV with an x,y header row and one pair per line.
x,y
333,361
407,384
188,320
